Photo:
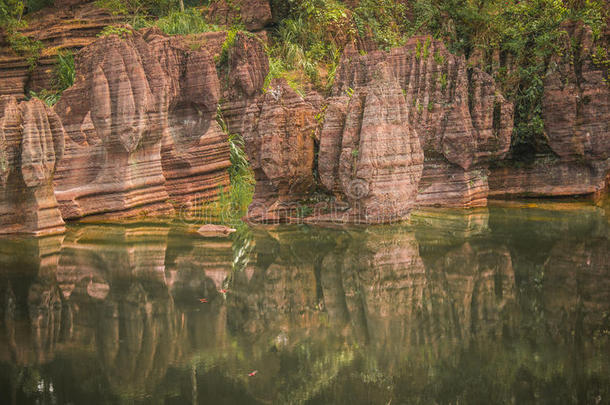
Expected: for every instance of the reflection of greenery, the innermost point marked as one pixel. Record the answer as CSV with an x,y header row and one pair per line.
x,y
356,315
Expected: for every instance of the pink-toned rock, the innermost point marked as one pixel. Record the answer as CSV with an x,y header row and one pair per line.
x,y
212,231
194,149
280,148
142,135
115,116
548,177
576,113
248,66
576,101
31,144
370,154
65,26
461,119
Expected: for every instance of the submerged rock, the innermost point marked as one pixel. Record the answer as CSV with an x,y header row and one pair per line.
x,y
211,231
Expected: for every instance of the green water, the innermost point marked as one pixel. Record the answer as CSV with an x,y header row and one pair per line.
x,y
502,305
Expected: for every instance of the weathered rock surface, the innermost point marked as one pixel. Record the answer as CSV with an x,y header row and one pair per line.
x,y
58,28
370,154
254,14
280,147
141,129
461,119
31,145
576,112
248,66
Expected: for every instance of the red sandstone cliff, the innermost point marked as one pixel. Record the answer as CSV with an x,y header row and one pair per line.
x,y
142,134
415,126
576,112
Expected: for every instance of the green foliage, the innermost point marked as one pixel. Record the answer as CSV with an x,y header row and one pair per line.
x,y
48,97
121,32
190,21
229,43
10,13
443,81
600,57
530,31
232,205
426,50
64,71
591,12
383,20
35,5
439,58
310,37
139,7
25,46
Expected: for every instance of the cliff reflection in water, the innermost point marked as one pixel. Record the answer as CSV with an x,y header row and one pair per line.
x,y
488,306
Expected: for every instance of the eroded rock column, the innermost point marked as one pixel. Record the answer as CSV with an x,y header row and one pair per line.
x,y
31,145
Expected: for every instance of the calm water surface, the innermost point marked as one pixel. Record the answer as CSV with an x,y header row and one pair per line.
x,y
502,305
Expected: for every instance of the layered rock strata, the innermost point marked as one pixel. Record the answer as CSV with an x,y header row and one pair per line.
x,y
281,150
370,155
31,145
413,126
576,113
58,28
461,119
141,131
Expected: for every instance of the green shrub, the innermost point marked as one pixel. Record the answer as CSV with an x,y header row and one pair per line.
x,y
185,22
35,5
529,32
439,58
48,97
121,32
10,13
25,46
310,37
64,71
384,20
443,81
232,204
139,7
229,42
